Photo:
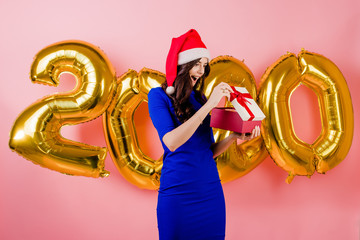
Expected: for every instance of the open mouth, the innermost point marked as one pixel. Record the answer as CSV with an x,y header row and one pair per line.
x,y
194,78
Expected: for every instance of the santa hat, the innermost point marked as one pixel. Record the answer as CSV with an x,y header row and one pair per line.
x,y
183,49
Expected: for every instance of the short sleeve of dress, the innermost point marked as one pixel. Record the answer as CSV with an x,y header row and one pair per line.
x,y
159,110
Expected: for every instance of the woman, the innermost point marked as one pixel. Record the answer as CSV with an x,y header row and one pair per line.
x,y
191,203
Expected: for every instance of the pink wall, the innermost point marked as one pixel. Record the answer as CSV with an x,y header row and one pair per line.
x,y
37,203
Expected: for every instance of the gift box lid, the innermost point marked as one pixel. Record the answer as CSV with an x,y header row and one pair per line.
x,y
245,105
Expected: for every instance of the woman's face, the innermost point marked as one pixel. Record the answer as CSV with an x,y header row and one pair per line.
x,y
198,70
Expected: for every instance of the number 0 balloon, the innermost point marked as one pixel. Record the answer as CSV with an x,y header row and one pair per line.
x,y
120,131
237,160
325,79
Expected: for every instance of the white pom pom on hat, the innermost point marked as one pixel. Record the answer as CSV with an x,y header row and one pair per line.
x,y
183,49
170,90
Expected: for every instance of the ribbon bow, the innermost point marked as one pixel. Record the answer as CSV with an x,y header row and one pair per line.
x,y
241,98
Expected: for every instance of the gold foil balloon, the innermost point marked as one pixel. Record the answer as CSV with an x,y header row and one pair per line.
x,y
324,78
120,131
35,134
240,159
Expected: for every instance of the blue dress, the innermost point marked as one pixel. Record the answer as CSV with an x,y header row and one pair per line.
x,y
191,202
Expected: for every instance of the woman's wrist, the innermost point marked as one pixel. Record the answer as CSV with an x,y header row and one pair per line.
x,y
233,136
208,106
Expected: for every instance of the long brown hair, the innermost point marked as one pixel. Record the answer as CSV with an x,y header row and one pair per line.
x,y
183,88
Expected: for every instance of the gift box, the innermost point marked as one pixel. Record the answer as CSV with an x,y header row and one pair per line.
x,y
245,115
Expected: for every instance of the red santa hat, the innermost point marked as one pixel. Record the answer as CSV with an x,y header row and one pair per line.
x,y
183,49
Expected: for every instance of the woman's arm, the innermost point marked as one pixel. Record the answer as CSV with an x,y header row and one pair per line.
x,y
182,133
220,147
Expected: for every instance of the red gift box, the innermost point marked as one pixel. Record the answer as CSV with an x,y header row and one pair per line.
x,y
243,118
228,118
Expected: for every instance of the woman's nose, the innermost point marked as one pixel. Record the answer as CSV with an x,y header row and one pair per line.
x,y
201,70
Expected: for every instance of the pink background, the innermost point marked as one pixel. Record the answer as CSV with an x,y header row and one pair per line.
x,y
37,203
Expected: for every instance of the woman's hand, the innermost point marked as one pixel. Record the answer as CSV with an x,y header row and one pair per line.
x,y
220,147
255,133
221,90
